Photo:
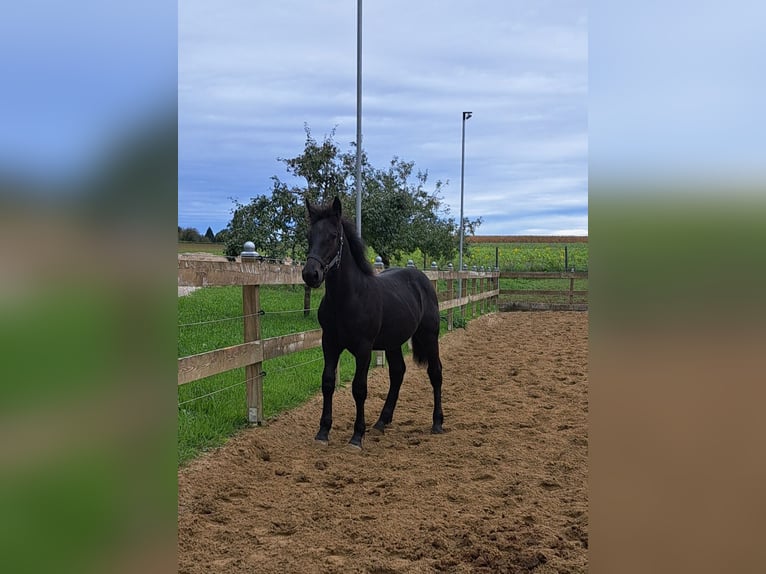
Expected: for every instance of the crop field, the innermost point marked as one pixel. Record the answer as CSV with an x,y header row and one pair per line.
x,y
526,253
536,256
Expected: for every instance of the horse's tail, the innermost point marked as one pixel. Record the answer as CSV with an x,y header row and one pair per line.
x,y
425,341
419,352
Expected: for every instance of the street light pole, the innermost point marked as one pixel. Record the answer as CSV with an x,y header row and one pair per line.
x,y
466,115
359,117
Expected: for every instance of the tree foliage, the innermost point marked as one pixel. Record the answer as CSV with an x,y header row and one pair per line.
x,y
189,234
400,213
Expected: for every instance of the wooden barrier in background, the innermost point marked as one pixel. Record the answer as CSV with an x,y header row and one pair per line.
x,y
568,294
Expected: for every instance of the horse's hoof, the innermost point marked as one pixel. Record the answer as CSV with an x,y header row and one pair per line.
x,y
377,430
321,443
437,429
354,447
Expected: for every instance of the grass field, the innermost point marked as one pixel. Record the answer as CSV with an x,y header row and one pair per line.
x,y
193,247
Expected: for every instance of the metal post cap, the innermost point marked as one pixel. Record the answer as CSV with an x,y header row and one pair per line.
x,y
249,251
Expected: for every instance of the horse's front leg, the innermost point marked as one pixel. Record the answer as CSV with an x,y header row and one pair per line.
x,y
359,390
331,356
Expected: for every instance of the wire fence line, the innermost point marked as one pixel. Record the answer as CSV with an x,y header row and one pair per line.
x,y
215,392
258,378
262,312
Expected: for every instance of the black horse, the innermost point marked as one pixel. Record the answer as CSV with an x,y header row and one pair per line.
x,y
362,311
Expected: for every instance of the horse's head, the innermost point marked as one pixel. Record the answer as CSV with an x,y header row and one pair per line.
x,y
325,242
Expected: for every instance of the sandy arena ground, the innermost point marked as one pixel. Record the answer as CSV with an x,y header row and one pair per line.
x,y
504,489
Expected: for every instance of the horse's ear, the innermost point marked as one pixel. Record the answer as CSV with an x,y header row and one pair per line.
x,y
311,210
336,207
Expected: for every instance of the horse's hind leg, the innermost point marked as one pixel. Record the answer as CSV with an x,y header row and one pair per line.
x,y
430,345
396,370
435,375
425,348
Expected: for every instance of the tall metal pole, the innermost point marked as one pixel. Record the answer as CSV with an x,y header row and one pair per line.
x,y
359,117
466,115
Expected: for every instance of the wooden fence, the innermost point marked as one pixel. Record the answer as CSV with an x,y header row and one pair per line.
x,y
481,289
565,298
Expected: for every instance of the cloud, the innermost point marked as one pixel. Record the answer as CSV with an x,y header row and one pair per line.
x,y
251,74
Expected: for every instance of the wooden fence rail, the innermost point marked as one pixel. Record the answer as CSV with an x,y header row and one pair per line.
x,y
480,287
569,294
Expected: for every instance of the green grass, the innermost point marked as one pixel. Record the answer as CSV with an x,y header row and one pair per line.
x,y
193,247
205,422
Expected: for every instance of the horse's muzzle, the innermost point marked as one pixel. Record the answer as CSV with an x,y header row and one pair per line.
x,y
312,274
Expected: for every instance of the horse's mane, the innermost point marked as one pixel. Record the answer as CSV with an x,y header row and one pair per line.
x,y
357,247
355,244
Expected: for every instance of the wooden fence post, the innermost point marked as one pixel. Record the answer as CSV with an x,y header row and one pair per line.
x,y
571,290
306,300
490,287
380,356
482,290
435,282
476,291
465,287
251,306
450,311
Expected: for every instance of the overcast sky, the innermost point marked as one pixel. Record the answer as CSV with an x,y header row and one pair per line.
x,y
252,73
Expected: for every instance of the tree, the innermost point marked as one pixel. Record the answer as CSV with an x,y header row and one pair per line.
x,y
249,222
322,166
272,222
221,236
399,213
210,235
189,234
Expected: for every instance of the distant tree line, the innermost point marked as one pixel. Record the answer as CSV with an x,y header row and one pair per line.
x,y
193,235
399,212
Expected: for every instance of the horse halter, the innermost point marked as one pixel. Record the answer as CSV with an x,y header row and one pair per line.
x,y
335,261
